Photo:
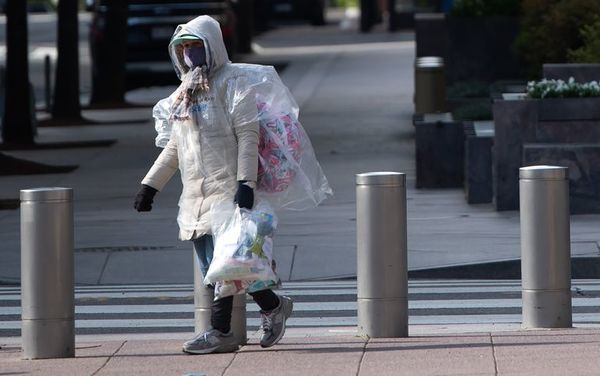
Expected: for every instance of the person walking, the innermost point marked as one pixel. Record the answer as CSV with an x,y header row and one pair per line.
x,y
210,133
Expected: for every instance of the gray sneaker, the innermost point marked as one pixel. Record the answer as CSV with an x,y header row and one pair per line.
x,y
212,341
273,322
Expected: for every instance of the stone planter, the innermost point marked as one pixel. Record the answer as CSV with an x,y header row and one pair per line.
x,y
479,138
583,161
559,131
439,151
580,72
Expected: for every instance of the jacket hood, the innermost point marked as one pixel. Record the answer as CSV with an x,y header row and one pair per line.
x,y
207,29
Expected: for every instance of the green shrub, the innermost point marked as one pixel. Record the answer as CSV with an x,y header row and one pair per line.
x,y
561,89
550,28
346,3
590,51
477,8
468,89
481,110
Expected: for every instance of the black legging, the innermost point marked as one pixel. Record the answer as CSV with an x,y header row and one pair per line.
x,y
221,308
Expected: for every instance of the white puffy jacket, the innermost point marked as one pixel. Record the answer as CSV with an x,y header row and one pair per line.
x,y
219,145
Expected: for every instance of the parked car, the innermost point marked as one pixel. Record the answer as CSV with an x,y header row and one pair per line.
x,y
150,25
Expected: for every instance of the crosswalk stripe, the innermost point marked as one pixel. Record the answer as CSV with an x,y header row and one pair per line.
x,y
188,323
305,321
318,304
322,284
308,289
308,306
178,294
491,293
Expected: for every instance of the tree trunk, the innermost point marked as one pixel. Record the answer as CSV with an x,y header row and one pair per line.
x,y
66,88
108,70
17,123
368,15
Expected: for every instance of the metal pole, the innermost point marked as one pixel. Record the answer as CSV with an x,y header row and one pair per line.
x,y
47,273
545,247
203,298
47,83
382,276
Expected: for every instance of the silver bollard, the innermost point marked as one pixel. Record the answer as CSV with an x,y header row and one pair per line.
x,y
545,247
203,298
382,277
47,273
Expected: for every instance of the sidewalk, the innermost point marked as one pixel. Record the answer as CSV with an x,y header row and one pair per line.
x,y
355,93
552,352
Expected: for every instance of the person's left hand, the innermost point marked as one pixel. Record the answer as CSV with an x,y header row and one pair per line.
x,y
244,196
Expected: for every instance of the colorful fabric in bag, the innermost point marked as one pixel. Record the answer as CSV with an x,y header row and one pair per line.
x,y
279,149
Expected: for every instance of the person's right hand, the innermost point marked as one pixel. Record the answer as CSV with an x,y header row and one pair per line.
x,y
144,198
244,197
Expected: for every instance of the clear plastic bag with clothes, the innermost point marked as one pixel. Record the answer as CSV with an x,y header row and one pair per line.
x,y
243,243
290,176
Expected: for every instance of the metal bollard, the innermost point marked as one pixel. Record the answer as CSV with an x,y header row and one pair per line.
x,y
382,277
430,85
545,247
203,298
47,273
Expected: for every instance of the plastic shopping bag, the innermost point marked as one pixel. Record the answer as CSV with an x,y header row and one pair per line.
x,y
289,175
228,288
243,244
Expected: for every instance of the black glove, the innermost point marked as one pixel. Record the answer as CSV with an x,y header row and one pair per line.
x,y
244,196
144,198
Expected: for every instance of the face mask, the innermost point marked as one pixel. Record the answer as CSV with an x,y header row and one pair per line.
x,y
194,57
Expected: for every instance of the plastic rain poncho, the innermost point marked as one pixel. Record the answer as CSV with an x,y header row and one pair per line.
x,y
243,126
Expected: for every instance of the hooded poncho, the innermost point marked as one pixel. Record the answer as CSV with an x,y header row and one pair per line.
x,y
245,114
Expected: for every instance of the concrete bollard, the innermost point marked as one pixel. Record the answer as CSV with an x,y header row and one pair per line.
x,y
47,273
545,247
203,298
382,277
